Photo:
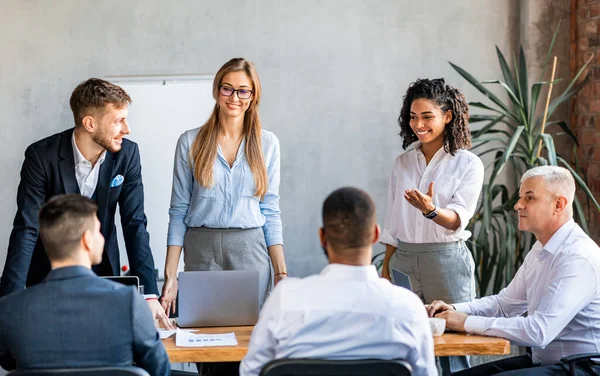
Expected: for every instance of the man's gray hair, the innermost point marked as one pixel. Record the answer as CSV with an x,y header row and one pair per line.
x,y
559,180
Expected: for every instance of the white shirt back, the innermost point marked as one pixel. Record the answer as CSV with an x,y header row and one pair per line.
x,y
346,312
559,286
457,184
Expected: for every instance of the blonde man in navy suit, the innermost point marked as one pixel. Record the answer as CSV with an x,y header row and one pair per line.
x,y
94,160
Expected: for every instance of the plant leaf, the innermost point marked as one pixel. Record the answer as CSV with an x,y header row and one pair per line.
x,y
506,72
547,60
580,215
502,161
549,142
565,96
478,117
535,89
523,85
482,89
487,127
563,125
511,94
579,180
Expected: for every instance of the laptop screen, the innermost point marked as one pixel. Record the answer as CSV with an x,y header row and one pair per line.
x,y
129,280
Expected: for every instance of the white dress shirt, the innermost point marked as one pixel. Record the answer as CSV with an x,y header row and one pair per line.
x,y
346,312
85,173
457,183
558,285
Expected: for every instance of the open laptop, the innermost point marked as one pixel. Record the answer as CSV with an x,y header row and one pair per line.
x,y
218,298
401,279
129,280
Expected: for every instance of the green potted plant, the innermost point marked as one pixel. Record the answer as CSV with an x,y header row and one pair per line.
x,y
512,133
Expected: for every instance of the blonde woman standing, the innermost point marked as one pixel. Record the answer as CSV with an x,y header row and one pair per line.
x,y
224,211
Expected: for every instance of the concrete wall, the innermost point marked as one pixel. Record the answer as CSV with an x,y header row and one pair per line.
x,y
333,75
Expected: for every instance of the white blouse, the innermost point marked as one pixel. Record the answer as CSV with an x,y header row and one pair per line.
x,y
457,184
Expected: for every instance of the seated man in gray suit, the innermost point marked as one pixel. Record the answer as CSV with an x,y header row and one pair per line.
x,y
75,319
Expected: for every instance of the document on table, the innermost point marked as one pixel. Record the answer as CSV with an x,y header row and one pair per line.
x,y
186,339
164,333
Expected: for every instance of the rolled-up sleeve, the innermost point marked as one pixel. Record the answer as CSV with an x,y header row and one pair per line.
x,y
181,192
464,200
269,205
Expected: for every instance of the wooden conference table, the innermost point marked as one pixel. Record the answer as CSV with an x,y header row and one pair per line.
x,y
447,344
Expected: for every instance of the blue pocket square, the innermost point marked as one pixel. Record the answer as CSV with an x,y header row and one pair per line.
x,y
117,180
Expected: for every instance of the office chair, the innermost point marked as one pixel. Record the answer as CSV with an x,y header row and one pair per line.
x,y
323,367
96,371
580,361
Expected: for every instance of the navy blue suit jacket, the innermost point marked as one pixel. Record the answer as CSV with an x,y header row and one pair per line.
x,y
75,319
49,170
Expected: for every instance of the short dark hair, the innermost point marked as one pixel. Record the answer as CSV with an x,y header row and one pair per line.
x,y
91,97
458,135
348,218
63,221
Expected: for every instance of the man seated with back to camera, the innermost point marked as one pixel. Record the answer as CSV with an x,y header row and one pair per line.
x,y
347,311
75,319
558,286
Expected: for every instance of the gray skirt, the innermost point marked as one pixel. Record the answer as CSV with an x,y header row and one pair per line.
x,y
437,271
229,249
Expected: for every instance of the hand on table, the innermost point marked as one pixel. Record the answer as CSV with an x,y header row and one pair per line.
x,y
169,295
438,306
158,313
278,278
454,320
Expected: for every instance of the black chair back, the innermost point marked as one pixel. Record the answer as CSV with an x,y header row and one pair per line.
x,y
98,371
324,367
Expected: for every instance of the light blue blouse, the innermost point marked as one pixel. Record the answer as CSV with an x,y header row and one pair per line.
x,y
230,202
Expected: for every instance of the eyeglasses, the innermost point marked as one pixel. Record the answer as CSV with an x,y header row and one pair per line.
x,y
241,93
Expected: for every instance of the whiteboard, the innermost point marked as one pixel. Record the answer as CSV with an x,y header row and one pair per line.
x,y
162,109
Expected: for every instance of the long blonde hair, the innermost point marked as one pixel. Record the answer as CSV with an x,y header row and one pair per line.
x,y
204,147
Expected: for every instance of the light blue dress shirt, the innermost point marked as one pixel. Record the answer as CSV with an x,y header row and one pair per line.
x,y
230,202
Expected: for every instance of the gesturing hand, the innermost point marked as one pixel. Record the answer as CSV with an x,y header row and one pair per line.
x,y
423,202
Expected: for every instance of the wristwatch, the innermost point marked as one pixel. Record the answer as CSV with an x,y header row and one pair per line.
x,y
432,214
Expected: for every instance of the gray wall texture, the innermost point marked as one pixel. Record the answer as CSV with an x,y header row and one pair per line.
x,y
333,76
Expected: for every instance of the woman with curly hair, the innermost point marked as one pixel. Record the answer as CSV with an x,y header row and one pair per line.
x,y
432,195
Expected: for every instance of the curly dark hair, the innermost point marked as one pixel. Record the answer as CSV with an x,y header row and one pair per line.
x,y
457,135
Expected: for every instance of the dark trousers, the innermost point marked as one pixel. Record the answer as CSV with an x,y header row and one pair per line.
x,y
523,366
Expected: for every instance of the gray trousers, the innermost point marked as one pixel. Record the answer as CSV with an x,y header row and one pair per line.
x,y
229,249
439,271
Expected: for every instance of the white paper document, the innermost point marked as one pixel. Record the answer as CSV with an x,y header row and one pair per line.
x,y
164,333
186,339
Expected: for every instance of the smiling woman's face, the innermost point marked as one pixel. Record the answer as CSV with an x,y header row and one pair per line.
x,y
428,122
233,106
